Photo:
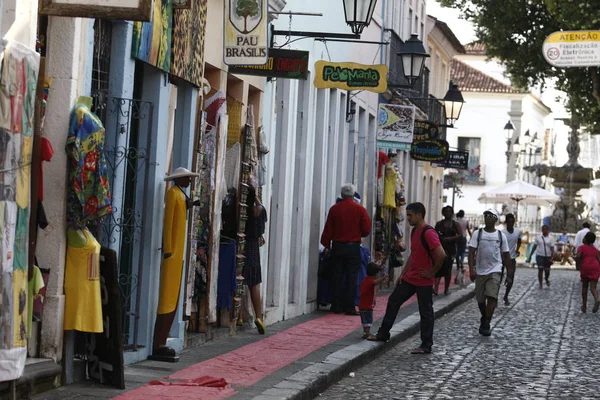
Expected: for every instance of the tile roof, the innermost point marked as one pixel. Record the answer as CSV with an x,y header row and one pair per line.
x,y
475,48
470,79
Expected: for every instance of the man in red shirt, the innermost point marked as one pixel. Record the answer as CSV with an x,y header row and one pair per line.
x,y
347,223
418,276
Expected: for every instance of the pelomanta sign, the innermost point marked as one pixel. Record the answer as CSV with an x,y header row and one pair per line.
x,y
351,76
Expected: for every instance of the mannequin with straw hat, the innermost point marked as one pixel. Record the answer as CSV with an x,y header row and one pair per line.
x,y
173,247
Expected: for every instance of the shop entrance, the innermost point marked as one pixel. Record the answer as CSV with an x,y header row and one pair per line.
x,y
128,125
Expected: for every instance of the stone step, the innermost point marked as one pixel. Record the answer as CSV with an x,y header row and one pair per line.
x,y
40,375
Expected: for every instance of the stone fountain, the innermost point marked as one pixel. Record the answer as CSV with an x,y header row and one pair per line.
x,y
569,212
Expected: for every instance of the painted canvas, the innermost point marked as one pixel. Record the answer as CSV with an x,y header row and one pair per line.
x,y
152,40
189,32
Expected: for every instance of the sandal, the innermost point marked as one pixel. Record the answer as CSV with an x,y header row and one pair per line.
x,y
260,326
365,335
420,350
596,306
375,338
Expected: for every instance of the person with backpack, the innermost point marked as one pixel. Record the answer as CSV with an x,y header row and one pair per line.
x,y
488,252
450,232
417,276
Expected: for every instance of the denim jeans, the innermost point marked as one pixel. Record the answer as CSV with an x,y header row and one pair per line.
x,y
399,296
346,261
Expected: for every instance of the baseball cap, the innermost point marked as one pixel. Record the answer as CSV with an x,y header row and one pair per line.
x,y
493,212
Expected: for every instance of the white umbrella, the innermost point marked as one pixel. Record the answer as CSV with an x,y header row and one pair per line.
x,y
520,192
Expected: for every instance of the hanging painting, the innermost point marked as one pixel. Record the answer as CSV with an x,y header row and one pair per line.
x,y
152,40
189,32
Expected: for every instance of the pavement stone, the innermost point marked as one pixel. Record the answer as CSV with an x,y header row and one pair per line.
x,y
542,347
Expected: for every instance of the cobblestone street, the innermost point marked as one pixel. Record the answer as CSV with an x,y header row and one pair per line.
x,y
542,347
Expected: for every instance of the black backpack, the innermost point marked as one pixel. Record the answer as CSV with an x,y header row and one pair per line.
x,y
423,241
479,238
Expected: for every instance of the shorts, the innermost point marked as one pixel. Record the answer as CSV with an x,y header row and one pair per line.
x,y
366,318
543,262
487,286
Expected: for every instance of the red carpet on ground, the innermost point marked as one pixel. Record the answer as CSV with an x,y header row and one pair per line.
x,y
249,364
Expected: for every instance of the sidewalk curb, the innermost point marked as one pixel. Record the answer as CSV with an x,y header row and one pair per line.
x,y
308,383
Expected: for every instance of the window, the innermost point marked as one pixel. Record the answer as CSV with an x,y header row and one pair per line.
x,y
422,31
474,174
410,22
443,80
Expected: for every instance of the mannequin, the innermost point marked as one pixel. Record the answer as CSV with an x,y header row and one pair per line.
x,y
174,239
85,101
76,238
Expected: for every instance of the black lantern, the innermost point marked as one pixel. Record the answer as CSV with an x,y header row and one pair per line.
x,y
509,130
413,56
453,103
359,14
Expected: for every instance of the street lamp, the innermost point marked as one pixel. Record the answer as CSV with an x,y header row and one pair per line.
x,y
508,131
453,104
413,57
359,14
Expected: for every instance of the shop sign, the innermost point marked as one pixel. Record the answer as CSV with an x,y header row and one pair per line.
x,y
573,49
456,160
351,76
245,32
133,10
282,63
395,127
425,130
429,150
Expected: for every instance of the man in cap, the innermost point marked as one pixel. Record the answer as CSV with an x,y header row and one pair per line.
x,y
173,248
347,223
488,251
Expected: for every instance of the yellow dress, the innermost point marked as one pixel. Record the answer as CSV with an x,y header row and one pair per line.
x,y
174,231
389,190
83,298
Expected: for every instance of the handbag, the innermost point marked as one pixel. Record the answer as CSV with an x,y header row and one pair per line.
x,y
325,266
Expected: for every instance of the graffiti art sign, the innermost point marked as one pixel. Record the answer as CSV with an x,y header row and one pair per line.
x,y
351,76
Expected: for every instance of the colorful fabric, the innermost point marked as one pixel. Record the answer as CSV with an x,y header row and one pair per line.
x,y
88,195
389,190
83,299
46,154
34,285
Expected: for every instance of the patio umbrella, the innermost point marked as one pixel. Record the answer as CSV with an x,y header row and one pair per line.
x,y
520,192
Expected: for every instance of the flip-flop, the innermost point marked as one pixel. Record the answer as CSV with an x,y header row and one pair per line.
x,y
375,338
420,350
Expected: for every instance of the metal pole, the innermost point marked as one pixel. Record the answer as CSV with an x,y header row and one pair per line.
x,y
453,193
306,14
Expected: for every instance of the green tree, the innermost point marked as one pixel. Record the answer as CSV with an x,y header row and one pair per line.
x,y
514,31
246,9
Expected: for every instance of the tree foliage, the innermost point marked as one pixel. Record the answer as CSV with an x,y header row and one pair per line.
x,y
514,31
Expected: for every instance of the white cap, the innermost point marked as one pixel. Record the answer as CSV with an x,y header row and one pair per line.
x,y
180,173
493,212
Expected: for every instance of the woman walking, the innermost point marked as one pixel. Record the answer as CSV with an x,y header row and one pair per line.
x,y
588,263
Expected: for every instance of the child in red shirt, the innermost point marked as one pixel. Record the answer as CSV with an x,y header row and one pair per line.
x,y
588,261
367,297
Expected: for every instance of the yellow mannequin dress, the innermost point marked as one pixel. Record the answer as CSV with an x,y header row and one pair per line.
x,y
174,231
83,299
389,190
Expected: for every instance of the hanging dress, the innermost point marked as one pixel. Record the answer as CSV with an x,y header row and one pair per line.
x,y
83,300
389,190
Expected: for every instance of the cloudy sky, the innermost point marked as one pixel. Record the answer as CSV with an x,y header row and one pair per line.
x,y
461,28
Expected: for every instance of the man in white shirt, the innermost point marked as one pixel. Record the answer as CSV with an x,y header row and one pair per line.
x,y
543,256
580,235
488,251
513,237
